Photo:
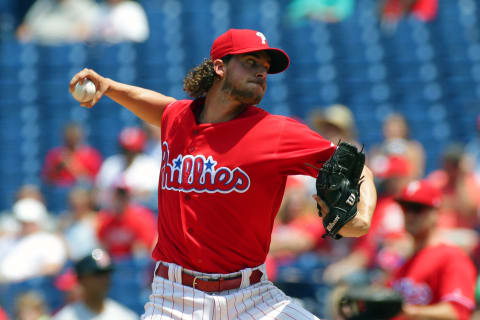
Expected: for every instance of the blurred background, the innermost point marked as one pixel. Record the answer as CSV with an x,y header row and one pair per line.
x,y
395,76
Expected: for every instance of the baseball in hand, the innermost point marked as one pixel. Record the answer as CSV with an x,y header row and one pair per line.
x,y
84,90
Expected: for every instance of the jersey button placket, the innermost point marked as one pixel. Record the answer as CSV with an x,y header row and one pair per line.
x,y
191,147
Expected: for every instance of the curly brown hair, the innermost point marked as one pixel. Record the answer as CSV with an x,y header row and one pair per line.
x,y
200,79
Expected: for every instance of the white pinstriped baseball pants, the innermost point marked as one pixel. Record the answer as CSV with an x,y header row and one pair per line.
x,y
172,300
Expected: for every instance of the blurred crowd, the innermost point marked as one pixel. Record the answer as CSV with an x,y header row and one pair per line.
x,y
111,204
110,211
298,250
63,21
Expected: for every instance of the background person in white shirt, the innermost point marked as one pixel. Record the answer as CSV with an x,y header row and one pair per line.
x,y
58,21
121,20
130,167
33,252
93,274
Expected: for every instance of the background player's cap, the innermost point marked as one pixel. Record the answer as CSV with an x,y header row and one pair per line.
x,y
133,139
420,192
391,166
30,210
98,261
337,115
237,41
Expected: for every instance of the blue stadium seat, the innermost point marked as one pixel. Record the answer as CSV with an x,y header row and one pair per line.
x,y
131,282
42,285
56,198
312,296
302,279
54,91
9,89
56,55
12,53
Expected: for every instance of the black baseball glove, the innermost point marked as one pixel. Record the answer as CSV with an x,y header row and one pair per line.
x,y
366,303
338,185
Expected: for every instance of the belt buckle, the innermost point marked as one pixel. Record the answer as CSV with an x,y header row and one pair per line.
x,y
195,280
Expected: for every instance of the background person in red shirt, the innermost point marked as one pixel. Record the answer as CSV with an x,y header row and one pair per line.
x,y
126,229
73,162
3,314
438,280
374,256
391,11
460,190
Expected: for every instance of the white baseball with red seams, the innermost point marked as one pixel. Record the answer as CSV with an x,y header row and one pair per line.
x,y
84,90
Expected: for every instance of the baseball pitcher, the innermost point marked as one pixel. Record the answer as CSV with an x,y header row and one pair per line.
x,y
223,174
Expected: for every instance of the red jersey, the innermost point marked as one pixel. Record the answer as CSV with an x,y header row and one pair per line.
x,y
3,314
221,184
119,232
448,216
65,169
425,10
438,274
387,222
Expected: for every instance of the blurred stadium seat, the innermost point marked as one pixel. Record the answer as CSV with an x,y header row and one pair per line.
x,y
9,293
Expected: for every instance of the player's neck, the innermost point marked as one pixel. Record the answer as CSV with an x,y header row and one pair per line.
x,y
94,304
421,241
219,108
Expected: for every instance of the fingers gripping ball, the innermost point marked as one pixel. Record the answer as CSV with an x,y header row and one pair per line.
x,y
338,185
84,90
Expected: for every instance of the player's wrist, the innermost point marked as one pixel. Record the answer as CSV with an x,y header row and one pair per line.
x,y
109,85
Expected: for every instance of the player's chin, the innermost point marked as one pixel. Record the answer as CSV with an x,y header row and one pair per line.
x,y
249,95
414,231
254,100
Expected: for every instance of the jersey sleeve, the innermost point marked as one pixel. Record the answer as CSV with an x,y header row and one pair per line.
x,y
171,110
458,284
300,149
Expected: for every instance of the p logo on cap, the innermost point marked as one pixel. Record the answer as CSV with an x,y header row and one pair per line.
x,y
262,36
421,192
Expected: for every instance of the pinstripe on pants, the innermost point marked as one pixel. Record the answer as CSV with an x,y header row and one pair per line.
x,y
172,300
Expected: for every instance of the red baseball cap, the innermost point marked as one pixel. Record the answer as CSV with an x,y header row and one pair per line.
x,y
420,192
133,139
390,166
237,41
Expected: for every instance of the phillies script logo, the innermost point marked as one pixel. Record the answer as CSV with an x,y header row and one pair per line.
x,y
414,293
189,173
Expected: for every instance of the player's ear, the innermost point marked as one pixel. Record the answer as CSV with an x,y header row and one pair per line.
x,y
219,67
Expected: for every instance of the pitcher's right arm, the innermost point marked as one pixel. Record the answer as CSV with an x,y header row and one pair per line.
x,y
146,104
